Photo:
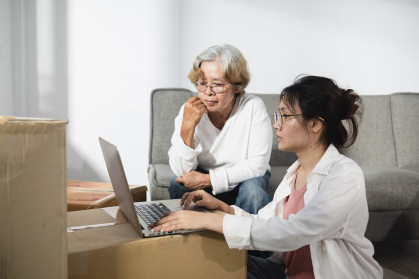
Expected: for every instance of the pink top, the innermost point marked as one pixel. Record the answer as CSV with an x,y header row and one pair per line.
x,y
299,265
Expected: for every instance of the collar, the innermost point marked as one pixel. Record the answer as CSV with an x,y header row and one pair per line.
x,y
322,167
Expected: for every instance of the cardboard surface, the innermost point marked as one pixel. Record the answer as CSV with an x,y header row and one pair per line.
x,y
101,244
33,199
83,195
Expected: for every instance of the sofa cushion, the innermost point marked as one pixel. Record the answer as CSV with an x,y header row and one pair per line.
x,y
387,188
404,113
390,188
160,175
414,167
374,145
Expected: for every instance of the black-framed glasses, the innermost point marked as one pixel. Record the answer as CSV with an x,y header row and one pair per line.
x,y
216,88
277,117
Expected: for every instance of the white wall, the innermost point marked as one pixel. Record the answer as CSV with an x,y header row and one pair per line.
x,y
369,45
6,101
118,51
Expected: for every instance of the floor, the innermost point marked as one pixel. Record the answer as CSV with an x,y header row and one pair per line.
x,y
399,260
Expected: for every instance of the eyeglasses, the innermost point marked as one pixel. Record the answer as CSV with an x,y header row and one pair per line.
x,y
216,88
277,117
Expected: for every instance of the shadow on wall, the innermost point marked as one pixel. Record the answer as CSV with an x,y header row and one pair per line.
x,y
79,169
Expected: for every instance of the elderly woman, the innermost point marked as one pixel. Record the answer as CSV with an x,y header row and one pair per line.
x,y
319,214
222,138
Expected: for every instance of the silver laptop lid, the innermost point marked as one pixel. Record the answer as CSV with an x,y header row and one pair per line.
x,y
119,183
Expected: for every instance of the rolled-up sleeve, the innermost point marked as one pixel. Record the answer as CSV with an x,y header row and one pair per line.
x,y
219,181
237,231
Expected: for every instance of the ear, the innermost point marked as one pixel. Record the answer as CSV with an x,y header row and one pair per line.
x,y
316,124
236,89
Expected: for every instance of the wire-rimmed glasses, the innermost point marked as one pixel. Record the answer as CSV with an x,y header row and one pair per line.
x,y
277,117
216,88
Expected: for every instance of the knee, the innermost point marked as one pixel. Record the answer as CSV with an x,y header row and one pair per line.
x,y
173,182
254,186
253,195
176,190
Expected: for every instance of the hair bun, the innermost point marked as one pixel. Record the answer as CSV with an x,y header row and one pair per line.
x,y
349,103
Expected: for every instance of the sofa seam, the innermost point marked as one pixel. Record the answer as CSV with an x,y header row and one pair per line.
x,y
400,210
392,130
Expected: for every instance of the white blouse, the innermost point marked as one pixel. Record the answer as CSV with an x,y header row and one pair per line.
x,y
238,152
333,221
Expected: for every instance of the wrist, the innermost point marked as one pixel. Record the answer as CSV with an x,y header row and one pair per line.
x,y
207,180
226,208
188,125
214,222
187,136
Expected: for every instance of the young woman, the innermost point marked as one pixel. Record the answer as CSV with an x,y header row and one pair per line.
x,y
316,222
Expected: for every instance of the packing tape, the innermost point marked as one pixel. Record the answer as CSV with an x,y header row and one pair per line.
x,y
4,119
72,229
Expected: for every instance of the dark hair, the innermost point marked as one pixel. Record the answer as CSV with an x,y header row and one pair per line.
x,y
320,97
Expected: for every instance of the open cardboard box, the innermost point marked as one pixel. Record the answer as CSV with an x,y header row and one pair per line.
x,y
83,195
102,244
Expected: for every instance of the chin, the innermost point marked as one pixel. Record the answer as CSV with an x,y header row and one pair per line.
x,y
283,147
212,109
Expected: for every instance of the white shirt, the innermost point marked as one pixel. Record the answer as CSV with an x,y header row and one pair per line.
x,y
333,221
240,151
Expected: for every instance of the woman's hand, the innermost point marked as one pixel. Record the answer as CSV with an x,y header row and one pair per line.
x,y
194,180
202,198
189,220
193,111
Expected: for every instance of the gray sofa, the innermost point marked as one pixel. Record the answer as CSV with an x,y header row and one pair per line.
x,y
387,149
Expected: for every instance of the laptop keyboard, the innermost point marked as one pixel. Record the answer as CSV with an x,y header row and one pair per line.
x,y
151,213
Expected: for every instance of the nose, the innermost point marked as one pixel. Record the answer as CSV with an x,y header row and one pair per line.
x,y
277,126
208,88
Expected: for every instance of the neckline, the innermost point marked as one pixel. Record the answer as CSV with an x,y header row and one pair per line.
x,y
228,117
294,190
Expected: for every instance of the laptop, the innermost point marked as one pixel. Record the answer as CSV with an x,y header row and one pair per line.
x,y
141,214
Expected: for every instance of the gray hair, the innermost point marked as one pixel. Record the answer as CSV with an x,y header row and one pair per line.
x,y
231,61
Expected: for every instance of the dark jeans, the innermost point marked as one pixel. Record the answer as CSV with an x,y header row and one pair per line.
x,y
264,269
250,195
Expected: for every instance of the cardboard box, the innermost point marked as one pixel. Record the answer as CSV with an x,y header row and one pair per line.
x,y
101,244
33,199
83,195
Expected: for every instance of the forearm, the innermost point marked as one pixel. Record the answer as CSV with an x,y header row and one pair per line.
x,y
214,222
187,135
226,208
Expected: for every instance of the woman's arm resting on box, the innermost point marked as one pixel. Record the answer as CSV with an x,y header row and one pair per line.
x,y
189,220
185,219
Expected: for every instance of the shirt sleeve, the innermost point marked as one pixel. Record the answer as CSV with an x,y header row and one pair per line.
x,y
237,227
182,158
236,231
258,153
